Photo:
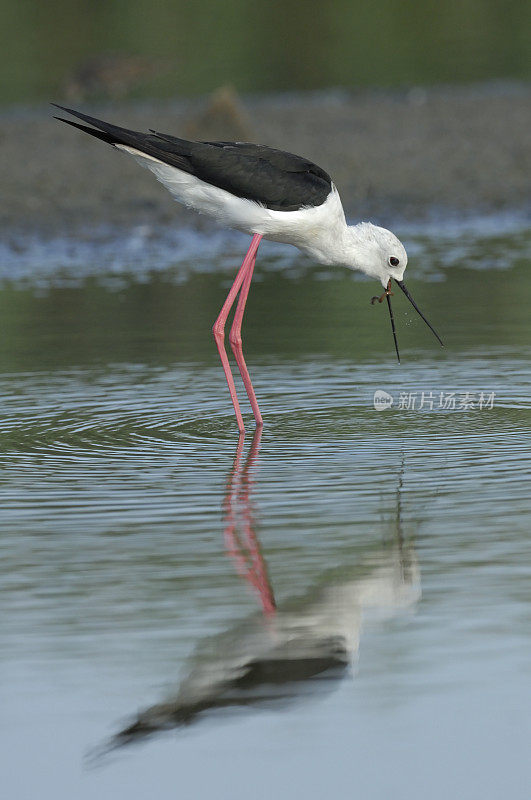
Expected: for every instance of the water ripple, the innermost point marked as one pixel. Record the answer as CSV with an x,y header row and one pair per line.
x,y
89,441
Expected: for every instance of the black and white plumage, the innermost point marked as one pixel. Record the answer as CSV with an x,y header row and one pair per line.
x,y
267,193
308,644
277,180
259,190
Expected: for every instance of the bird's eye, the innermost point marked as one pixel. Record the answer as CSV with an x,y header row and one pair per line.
x,y
393,261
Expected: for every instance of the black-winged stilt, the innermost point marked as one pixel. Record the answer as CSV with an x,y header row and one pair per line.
x,y
267,193
288,651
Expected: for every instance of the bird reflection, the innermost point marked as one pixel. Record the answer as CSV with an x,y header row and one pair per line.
x,y
241,541
285,652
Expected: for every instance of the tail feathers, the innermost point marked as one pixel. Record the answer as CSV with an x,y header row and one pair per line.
x,y
105,137
165,148
114,131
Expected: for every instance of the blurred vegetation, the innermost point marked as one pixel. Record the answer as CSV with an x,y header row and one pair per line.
x,y
85,49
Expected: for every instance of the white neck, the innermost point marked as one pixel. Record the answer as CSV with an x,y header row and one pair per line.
x,y
322,232
364,247
337,245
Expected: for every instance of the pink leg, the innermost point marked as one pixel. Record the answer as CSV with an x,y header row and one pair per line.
x,y
219,325
235,339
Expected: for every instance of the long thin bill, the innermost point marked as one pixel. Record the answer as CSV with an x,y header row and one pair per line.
x,y
417,309
393,326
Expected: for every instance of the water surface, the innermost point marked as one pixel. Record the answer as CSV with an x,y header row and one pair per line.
x,y
375,562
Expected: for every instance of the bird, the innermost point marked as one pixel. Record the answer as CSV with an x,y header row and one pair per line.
x,y
269,194
290,650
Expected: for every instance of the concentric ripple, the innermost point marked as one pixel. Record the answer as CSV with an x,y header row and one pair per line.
x,y
123,486
71,437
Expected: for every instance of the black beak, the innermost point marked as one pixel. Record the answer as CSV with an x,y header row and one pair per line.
x,y
417,309
388,298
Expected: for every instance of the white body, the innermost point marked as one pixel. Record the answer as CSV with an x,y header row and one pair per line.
x,y
389,587
319,231
332,618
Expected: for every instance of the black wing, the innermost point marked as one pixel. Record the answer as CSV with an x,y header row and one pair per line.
x,y
278,180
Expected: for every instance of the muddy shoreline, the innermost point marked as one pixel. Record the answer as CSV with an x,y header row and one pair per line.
x,y
408,155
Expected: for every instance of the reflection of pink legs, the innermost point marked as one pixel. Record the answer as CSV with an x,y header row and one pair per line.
x,y
246,550
243,282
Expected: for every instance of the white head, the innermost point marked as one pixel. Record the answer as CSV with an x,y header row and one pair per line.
x,y
379,253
